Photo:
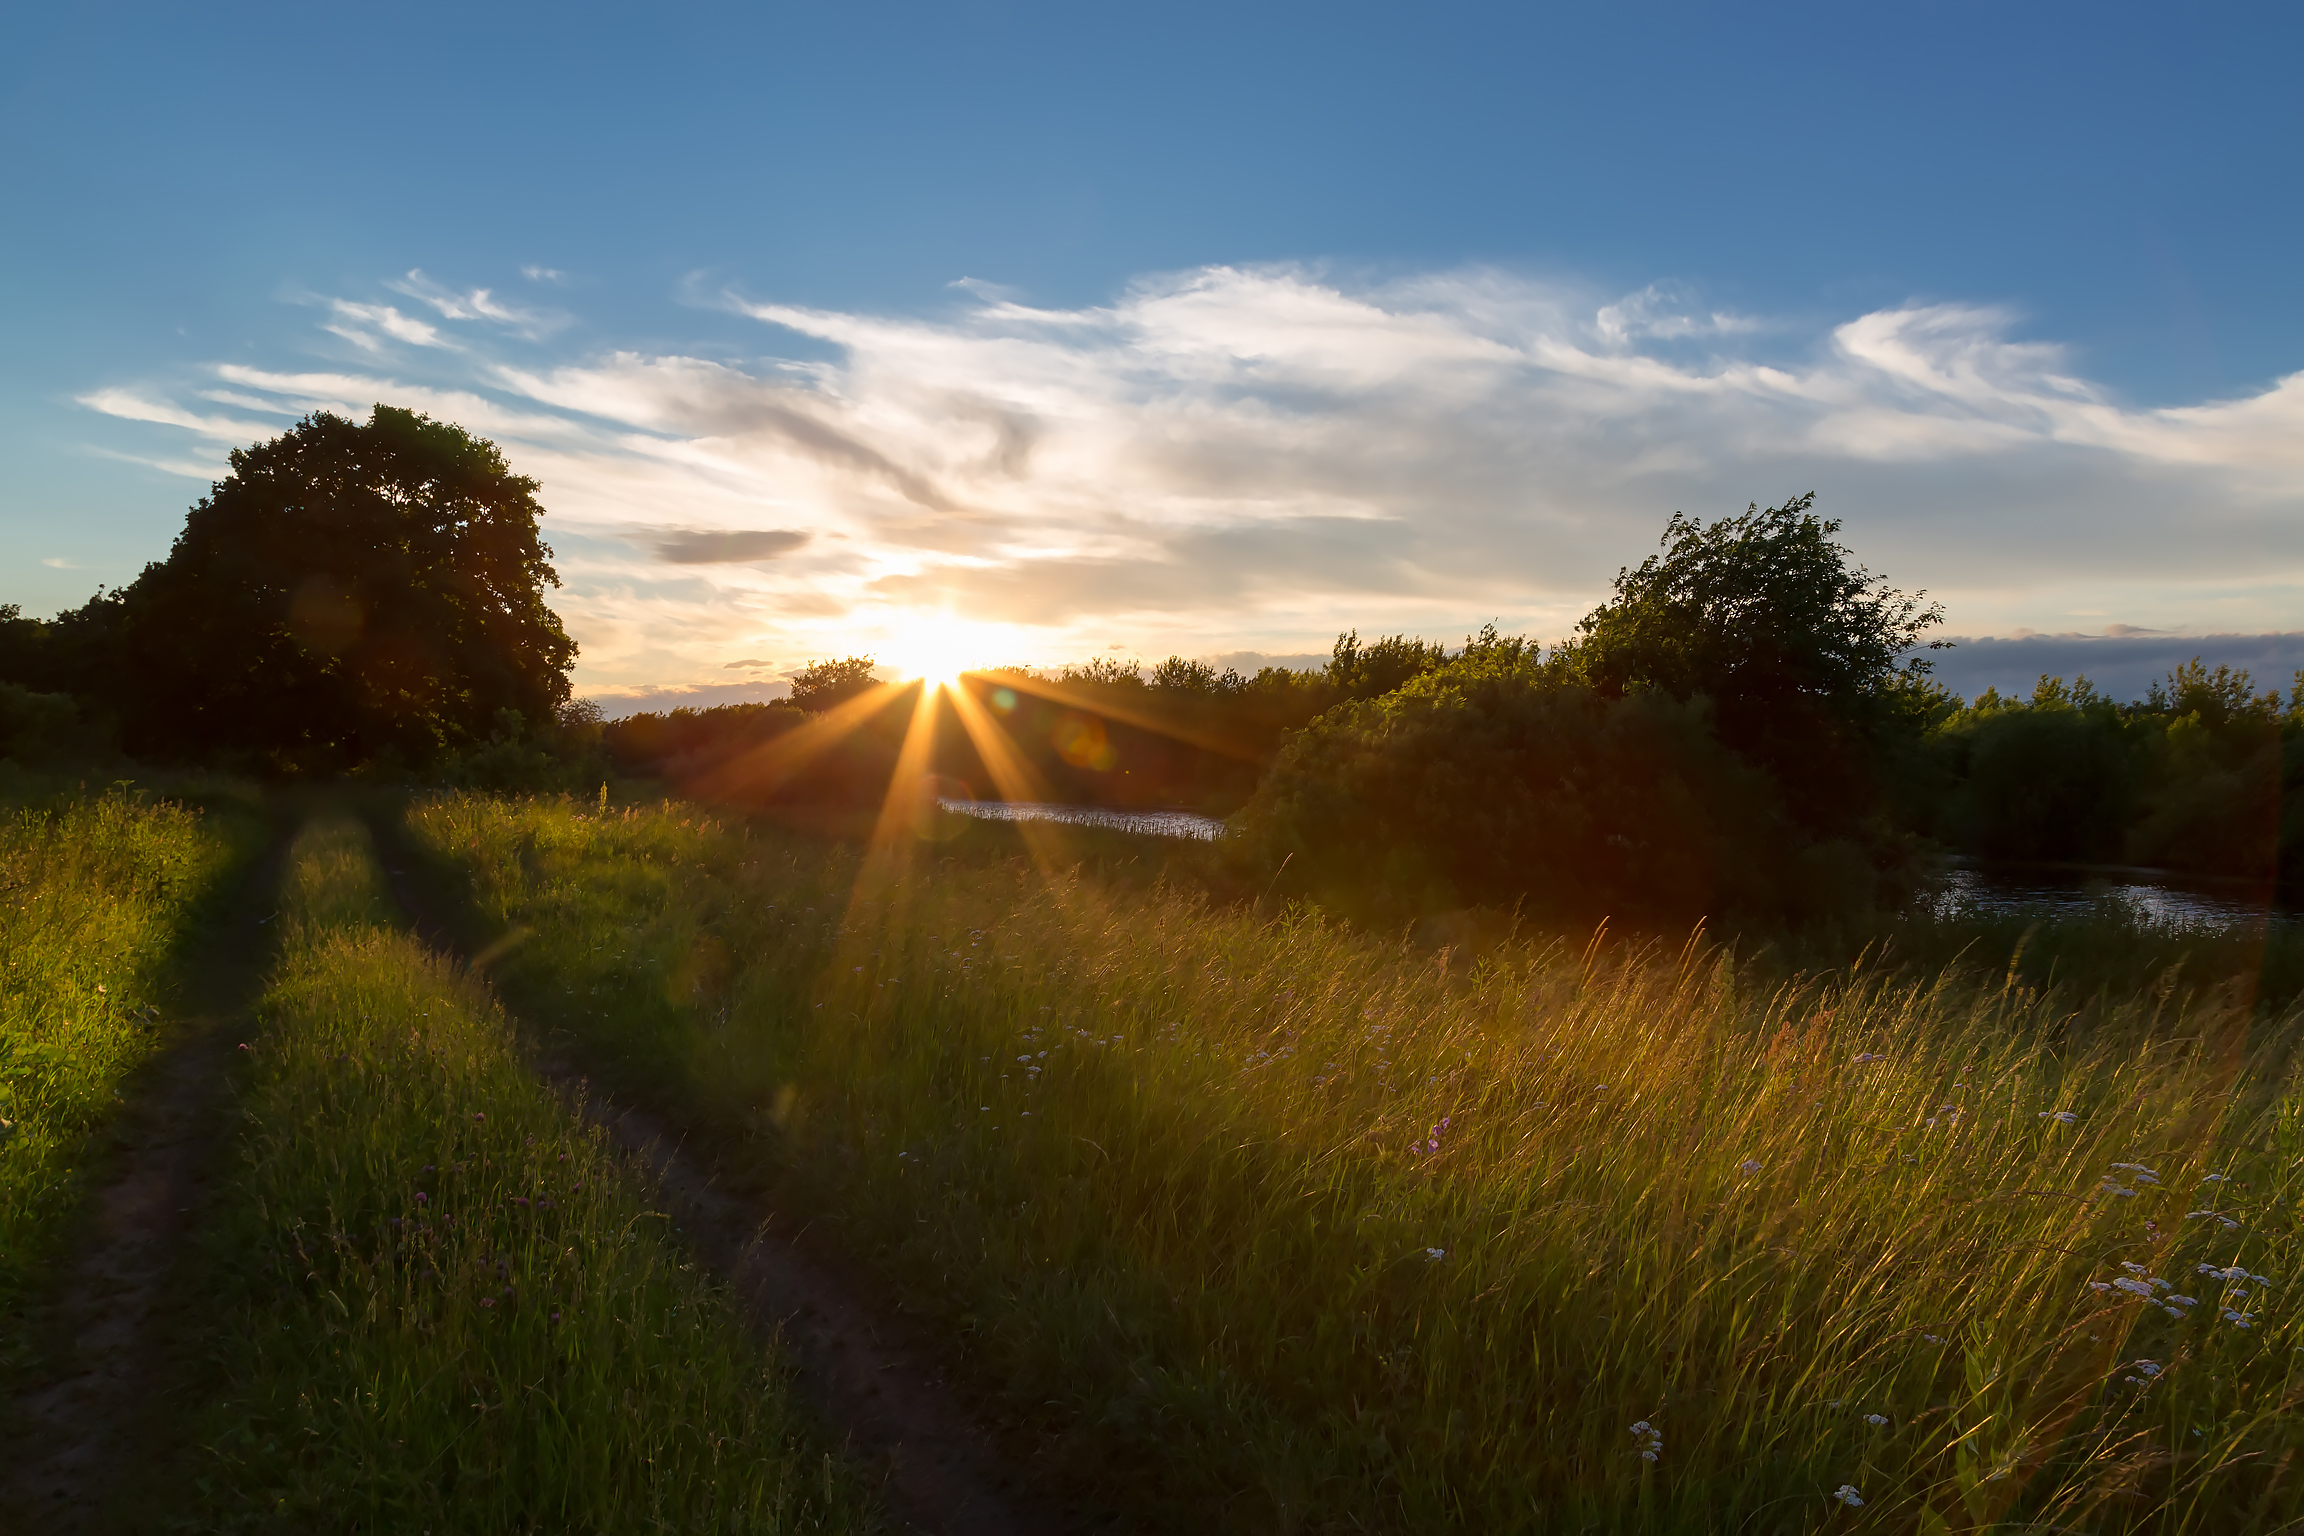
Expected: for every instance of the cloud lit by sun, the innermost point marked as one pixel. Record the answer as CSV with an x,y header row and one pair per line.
x,y
1251,460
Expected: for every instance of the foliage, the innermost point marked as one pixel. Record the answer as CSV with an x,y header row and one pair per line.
x,y
1806,658
1267,1225
823,685
564,754
1357,671
681,743
349,594
1491,781
442,1302
2205,774
47,727
2055,778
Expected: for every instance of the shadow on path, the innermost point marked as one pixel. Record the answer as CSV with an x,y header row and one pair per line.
x,y
97,1402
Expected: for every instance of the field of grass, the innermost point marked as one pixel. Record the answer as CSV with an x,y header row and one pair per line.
x,y
1265,1225
94,896
439,1302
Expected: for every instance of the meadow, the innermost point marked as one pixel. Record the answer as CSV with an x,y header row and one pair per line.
x,y
436,1300
1255,1221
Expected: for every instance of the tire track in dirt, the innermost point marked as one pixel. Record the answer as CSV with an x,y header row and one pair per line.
x,y
867,1376
95,1403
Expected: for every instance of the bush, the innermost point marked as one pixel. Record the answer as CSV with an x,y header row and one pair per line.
x,y
2046,783
1494,782
46,727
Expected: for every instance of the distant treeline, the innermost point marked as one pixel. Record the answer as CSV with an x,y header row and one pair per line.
x,y
1103,733
1746,729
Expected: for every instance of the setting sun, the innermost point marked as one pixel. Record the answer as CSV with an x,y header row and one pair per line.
x,y
937,648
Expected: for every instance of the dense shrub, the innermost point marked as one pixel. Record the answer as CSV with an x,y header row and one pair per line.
x,y
2057,779
1496,781
2204,774
47,727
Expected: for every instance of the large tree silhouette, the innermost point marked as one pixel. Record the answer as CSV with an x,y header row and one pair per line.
x,y
351,593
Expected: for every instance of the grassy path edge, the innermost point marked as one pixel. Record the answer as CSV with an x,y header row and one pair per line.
x,y
98,1401
858,1369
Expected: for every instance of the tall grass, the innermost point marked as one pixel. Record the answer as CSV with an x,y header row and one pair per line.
x,y
1273,1226
441,1302
93,894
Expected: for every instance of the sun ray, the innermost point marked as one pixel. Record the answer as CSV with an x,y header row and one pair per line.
x,y
1012,775
767,767
908,800
1102,704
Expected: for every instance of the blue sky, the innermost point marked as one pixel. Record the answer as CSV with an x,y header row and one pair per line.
x,y
1034,330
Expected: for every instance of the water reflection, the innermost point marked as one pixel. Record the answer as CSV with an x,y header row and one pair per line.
x,y
1156,823
2154,895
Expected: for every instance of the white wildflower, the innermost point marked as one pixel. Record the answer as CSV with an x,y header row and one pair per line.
x,y
2060,1116
1435,1255
2146,1367
2132,1266
1846,1493
1749,1165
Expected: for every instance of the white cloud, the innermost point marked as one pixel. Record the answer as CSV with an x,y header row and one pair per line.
x,y
478,304
357,324
1252,459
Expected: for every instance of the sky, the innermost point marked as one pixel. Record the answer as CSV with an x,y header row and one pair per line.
x,y
995,333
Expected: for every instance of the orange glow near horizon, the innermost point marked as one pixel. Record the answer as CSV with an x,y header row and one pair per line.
x,y
937,648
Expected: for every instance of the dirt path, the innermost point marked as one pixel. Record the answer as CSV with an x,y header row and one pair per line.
x,y
866,1374
97,1402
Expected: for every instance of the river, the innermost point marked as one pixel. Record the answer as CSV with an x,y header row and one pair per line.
x,y
2159,895
2036,890
1157,823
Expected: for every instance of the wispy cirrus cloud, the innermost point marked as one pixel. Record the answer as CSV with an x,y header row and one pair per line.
x,y
1253,458
478,304
370,326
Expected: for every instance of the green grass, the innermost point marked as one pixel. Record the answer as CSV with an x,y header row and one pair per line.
x,y
1266,1225
439,1301
95,894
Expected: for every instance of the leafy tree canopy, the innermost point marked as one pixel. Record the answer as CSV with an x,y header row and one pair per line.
x,y
350,593
1761,612
823,685
1807,658
1370,669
